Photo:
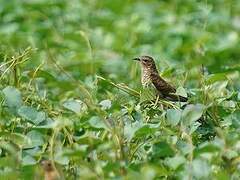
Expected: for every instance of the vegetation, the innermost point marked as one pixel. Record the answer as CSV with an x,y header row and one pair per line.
x,y
69,91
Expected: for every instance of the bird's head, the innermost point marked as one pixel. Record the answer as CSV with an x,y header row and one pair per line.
x,y
146,62
47,165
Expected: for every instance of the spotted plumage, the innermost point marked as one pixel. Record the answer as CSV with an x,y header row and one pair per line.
x,y
150,77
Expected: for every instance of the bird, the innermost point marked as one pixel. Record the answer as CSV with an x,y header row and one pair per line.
x,y
151,78
50,171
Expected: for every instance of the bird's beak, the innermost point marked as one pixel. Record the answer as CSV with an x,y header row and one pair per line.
x,y
136,59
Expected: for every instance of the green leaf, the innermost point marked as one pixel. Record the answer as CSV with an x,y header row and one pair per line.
x,y
181,91
16,138
77,151
35,139
106,104
231,154
76,106
13,97
9,147
47,124
200,168
7,161
173,116
43,74
33,151
151,171
96,122
28,160
218,89
167,72
216,77
175,162
192,113
193,127
184,147
162,149
130,129
206,148
60,158
31,114
238,96
144,131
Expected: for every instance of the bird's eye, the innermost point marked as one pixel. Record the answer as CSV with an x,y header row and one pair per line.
x,y
145,60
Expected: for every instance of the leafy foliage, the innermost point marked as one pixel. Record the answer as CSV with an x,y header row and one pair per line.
x,y
69,91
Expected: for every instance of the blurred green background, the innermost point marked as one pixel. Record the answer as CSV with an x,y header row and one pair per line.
x,y
75,40
111,33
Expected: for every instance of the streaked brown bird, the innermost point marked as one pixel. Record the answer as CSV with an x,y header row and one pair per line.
x,y
151,77
50,171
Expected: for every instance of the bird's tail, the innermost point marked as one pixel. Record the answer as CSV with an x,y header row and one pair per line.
x,y
174,97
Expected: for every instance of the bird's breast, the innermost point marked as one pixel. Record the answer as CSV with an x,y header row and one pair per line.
x,y
146,78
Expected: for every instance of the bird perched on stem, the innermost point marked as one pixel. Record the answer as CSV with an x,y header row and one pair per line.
x,y
151,77
50,171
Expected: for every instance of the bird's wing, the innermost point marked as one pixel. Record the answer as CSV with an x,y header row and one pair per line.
x,y
166,89
161,85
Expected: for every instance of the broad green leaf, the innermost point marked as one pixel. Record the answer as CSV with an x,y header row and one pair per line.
x,y
106,104
218,89
227,41
192,113
216,77
31,114
77,151
173,116
144,131
96,122
47,124
13,97
130,129
193,127
181,91
30,171
233,119
206,148
167,72
238,96
60,158
9,147
184,147
10,173
28,160
35,139
76,106
7,161
33,151
162,149
16,138
231,154
222,174
150,171
44,74
200,168
175,161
